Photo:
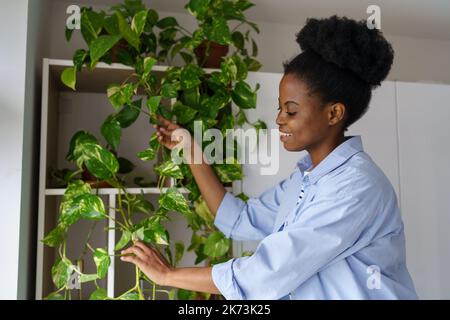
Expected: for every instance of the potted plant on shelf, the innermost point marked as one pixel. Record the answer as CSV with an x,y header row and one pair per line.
x,y
198,95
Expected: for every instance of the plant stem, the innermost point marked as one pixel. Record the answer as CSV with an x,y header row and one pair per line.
x,y
140,109
121,210
91,229
154,291
141,295
186,30
237,26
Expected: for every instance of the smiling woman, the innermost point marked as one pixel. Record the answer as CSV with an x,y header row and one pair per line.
x,y
332,230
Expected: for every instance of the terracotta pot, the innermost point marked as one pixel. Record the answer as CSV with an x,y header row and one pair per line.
x,y
86,176
122,44
216,53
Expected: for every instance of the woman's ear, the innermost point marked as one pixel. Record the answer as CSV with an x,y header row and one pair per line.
x,y
336,113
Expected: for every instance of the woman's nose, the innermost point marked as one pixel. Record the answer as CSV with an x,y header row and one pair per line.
x,y
280,119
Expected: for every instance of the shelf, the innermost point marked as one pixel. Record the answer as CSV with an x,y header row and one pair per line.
x,y
113,191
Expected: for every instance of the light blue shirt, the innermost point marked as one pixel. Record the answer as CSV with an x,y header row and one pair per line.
x,y
343,240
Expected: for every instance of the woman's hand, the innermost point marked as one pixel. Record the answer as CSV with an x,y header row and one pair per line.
x,y
149,260
169,136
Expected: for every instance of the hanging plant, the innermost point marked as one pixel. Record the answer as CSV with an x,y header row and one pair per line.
x,y
135,36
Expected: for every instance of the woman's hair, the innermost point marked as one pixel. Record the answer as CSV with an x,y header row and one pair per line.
x,y
342,60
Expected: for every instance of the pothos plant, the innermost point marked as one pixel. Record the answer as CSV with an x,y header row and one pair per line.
x,y
134,35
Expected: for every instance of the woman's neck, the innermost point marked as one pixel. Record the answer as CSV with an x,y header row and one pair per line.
x,y
322,150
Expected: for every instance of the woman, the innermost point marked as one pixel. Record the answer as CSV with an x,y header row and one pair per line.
x,y
332,230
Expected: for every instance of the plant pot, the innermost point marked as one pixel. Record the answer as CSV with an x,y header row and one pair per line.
x,y
87,177
122,44
214,56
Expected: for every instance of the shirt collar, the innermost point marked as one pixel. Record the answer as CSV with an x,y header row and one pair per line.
x,y
338,156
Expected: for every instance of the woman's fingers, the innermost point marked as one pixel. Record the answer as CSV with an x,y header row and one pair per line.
x,y
137,251
143,247
167,123
132,259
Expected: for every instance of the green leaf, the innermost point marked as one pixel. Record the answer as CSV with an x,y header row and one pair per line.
x,y
101,45
153,103
254,48
167,22
243,5
55,237
173,200
218,31
156,234
99,294
111,131
120,95
124,239
61,272
238,40
91,206
216,245
79,137
88,277
147,155
68,33
190,76
172,293
54,296
142,205
183,113
91,25
100,162
152,17
242,196
186,294
243,96
169,169
125,165
130,36
102,261
201,208
228,172
111,25
242,71
169,90
69,77
198,8
138,22
79,58
252,64
129,114
179,251
148,65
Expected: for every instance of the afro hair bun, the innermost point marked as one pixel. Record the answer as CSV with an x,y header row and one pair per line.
x,y
349,44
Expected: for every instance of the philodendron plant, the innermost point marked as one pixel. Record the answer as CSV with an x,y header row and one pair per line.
x,y
135,36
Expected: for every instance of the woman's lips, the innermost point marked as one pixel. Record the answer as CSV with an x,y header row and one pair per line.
x,y
284,136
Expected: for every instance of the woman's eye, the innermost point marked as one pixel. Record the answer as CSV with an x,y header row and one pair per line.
x,y
288,113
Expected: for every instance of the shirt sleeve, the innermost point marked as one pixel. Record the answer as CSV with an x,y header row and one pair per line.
x,y
330,229
251,220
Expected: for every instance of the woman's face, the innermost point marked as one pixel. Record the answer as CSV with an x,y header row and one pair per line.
x,y
302,121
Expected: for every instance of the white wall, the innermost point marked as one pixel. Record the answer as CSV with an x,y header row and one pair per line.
x,y
13,31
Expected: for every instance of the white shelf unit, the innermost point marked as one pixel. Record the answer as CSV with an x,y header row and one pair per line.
x,y
63,112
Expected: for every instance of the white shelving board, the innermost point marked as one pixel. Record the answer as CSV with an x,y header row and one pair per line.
x,y
95,81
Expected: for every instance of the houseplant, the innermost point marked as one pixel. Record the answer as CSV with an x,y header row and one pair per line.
x,y
199,96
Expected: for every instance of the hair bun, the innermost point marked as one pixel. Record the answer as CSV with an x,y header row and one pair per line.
x,y
350,45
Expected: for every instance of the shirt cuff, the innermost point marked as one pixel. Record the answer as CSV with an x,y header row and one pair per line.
x,y
223,277
228,212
